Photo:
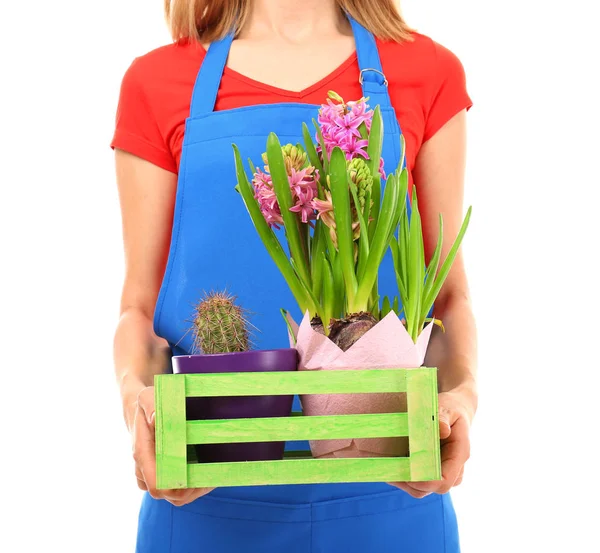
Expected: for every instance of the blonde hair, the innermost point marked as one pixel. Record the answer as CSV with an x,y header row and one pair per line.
x,y
209,20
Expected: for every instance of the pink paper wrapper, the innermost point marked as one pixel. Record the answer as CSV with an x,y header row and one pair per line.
x,y
386,345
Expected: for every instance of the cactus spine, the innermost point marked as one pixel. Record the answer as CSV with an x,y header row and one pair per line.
x,y
220,325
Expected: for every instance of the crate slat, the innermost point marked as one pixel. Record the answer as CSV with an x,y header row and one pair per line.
x,y
423,425
170,433
296,383
330,427
299,471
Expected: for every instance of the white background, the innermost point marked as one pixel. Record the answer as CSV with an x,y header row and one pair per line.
x,y
531,485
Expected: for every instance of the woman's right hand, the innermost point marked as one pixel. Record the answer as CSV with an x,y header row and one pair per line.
x,y
144,453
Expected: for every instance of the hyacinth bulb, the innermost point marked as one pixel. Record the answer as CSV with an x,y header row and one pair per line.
x,y
221,325
345,332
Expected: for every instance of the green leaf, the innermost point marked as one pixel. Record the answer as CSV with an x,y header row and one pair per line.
x,y
252,167
436,322
367,210
281,186
364,132
434,262
329,292
403,241
402,153
312,154
374,154
395,306
301,148
338,175
402,194
445,269
323,149
316,258
338,286
415,271
386,307
309,292
289,327
380,243
363,240
268,237
402,290
373,308
376,204
375,141
395,248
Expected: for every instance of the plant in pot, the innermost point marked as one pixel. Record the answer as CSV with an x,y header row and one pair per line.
x,y
222,334
338,227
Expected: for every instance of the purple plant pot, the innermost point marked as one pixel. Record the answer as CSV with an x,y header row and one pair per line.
x,y
204,408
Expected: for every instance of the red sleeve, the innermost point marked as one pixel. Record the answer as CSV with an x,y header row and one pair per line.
x,y
449,95
137,130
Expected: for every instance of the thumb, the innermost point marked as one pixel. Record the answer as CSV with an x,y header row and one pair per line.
x,y
445,423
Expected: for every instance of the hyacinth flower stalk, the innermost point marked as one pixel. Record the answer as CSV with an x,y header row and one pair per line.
x,y
326,195
288,269
360,276
419,284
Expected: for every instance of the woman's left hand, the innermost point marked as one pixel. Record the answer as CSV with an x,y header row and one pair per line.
x,y
455,421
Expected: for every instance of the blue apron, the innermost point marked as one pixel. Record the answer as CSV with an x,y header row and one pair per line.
x,y
214,246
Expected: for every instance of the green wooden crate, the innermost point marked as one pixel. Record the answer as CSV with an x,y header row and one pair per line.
x,y
174,433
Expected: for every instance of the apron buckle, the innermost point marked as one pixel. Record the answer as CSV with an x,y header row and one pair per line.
x,y
360,76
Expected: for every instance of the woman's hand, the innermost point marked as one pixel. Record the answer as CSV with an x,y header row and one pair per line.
x,y
144,453
455,408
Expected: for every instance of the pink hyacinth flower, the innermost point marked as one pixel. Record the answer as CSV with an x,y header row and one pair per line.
x,y
339,124
303,184
267,201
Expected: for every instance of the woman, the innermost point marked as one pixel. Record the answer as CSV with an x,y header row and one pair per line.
x,y
240,69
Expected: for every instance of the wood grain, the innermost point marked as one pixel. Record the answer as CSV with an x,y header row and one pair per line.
x,y
329,427
298,382
171,448
423,425
299,471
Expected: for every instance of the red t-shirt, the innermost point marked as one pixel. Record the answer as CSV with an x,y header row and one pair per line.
x,y
426,85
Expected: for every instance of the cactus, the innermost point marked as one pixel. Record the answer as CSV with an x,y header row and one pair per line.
x,y
220,325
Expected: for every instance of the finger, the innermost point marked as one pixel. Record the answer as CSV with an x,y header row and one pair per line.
x,y
140,479
455,453
177,497
459,480
438,486
409,489
144,453
194,494
446,421
426,487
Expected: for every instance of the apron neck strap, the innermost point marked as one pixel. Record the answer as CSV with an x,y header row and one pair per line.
x,y
371,77
373,81
208,80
